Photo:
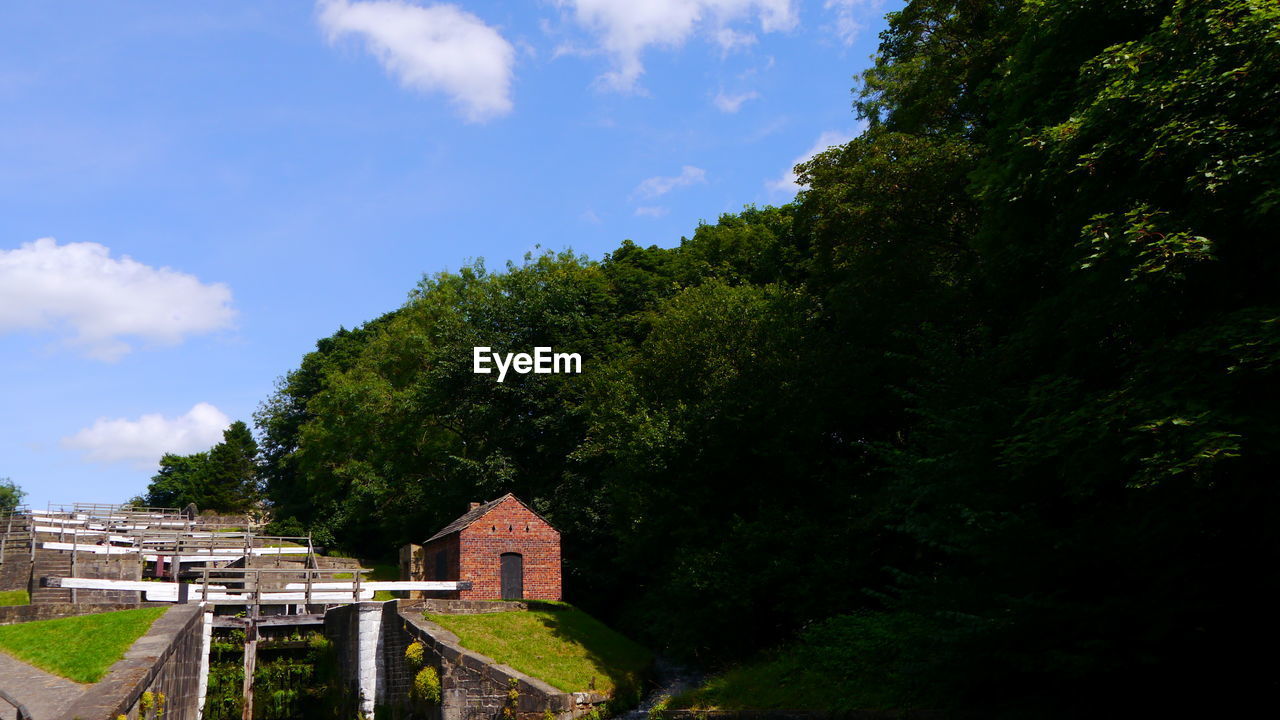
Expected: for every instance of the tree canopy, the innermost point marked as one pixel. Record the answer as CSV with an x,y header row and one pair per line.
x,y
1000,384
10,495
223,479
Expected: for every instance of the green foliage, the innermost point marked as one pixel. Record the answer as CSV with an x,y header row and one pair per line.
x,y
847,663
10,495
151,705
14,597
414,653
285,527
512,703
303,683
998,392
224,479
426,686
80,648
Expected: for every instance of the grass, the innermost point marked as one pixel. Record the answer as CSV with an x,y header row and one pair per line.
x,y
14,597
782,683
383,572
80,648
859,661
558,644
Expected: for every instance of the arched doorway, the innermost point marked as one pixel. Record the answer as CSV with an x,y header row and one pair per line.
x,y
512,576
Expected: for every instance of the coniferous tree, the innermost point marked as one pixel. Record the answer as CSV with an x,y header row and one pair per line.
x,y
223,479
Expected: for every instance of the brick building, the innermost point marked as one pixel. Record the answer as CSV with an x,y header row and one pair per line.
x,y
505,549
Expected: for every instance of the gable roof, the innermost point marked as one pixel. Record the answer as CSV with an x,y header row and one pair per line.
x,y
476,513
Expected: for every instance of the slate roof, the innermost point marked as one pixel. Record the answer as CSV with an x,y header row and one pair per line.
x,y
474,515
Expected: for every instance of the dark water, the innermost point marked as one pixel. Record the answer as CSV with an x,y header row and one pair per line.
x,y
669,679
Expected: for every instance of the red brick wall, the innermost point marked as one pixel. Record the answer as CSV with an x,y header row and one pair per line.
x,y
509,527
449,546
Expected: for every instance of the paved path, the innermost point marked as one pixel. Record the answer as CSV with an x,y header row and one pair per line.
x,y
45,695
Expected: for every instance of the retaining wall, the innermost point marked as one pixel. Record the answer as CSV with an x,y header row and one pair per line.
x,y
463,607
48,611
15,571
108,567
371,639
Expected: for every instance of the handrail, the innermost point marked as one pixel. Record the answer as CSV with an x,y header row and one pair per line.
x,y
23,713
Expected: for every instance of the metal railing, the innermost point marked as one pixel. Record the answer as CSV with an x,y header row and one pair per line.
x,y
20,711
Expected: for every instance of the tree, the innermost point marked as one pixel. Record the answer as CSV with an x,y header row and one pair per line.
x,y
233,482
223,479
10,495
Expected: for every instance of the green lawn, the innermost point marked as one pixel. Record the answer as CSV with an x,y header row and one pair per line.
x,y
79,648
14,597
558,644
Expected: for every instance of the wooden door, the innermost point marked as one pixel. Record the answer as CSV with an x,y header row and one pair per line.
x,y
512,576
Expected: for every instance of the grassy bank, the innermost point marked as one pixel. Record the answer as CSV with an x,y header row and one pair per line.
x,y
14,597
781,683
557,643
79,648
846,663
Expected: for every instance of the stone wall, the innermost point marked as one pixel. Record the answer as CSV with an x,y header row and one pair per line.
x,y
107,567
168,661
371,639
473,686
342,626
15,571
464,607
49,611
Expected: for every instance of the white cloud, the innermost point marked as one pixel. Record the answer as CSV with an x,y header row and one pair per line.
x,y
141,442
625,28
653,211
787,180
733,103
658,186
728,39
79,286
851,17
433,48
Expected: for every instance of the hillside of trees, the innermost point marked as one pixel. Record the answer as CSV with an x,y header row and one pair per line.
x,y
996,394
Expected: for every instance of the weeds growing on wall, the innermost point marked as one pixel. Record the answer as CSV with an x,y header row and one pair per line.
x,y
300,684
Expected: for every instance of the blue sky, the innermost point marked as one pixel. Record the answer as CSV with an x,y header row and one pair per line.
x,y
192,194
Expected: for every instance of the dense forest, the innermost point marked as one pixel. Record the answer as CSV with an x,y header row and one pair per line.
x,y
993,402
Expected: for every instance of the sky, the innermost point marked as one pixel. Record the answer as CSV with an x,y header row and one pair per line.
x,y
191,194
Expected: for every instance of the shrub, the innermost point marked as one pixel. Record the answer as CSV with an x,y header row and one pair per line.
x,y
426,685
414,654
